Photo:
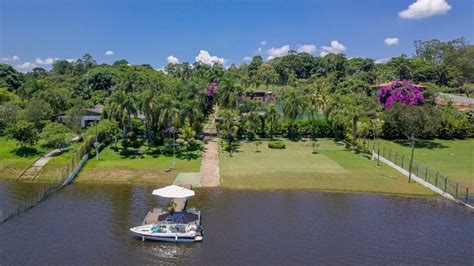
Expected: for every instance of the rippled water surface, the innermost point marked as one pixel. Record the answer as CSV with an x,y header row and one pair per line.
x,y
88,224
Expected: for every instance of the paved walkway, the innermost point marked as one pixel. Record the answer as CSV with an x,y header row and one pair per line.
x,y
35,168
210,171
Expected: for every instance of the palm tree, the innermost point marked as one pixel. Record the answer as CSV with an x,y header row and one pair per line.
x,y
190,112
272,116
228,91
187,139
348,111
148,106
121,107
169,113
294,105
228,127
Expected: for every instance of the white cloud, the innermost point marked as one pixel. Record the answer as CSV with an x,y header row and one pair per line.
x,y
391,41
259,50
172,59
263,43
109,53
71,60
205,58
335,48
381,61
13,58
46,61
425,9
306,48
247,59
26,66
278,52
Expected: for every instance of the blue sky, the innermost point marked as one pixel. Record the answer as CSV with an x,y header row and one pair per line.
x,y
151,31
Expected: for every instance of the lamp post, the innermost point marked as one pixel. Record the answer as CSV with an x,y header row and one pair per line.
x,y
96,143
411,159
174,149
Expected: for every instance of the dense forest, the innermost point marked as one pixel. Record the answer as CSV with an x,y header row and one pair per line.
x,y
330,96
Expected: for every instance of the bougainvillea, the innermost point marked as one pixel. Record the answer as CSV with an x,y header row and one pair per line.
x,y
212,88
211,91
401,91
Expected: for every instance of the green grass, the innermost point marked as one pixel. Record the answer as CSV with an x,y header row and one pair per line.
x,y
113,167
14,161
296,167
453,158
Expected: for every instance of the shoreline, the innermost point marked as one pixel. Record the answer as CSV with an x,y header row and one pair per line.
x,y
118,183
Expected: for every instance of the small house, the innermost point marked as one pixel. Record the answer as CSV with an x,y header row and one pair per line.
x,y
89,116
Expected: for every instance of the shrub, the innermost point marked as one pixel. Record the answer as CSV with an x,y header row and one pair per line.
x,y
276,145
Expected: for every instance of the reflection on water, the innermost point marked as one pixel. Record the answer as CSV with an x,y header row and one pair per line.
x,y
88,224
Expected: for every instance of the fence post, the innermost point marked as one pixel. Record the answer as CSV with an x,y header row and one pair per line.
x,y
378,155
436,180
467,195
403,158
457,185
445,183
383,149
426,173
396,155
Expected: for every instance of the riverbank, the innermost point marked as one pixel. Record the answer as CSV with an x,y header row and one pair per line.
x,y
332,168
112,167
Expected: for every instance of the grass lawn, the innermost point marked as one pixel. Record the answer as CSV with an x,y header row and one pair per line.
x,y
13,161
113,167
296,167
453,158
53,170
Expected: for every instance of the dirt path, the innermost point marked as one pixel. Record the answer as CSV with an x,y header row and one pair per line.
x,y
210,171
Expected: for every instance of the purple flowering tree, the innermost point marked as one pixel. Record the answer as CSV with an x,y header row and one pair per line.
x,y
401,91
211,91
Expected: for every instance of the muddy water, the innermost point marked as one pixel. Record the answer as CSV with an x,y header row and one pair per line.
x,y
88,224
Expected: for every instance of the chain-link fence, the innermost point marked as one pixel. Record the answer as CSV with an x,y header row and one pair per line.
x,y
444,182
48,189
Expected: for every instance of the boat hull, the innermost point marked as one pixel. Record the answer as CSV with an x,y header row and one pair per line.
x,y
172,239
145,233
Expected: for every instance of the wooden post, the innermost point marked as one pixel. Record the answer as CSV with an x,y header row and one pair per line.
x,y
457,185
436,180
378,155
467,195
396,155
403,157
445,183
426,173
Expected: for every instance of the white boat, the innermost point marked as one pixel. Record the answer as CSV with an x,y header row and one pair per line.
x,y
179,225
169,232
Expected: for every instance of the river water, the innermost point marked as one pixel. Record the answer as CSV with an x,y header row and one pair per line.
x,y
88,224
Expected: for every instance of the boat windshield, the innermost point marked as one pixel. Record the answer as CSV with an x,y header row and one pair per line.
x,y
168,228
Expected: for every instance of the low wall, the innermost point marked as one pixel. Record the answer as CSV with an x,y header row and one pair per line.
x,y
418,179
76,170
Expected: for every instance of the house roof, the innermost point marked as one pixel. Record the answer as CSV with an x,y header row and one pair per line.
x,y
93,111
